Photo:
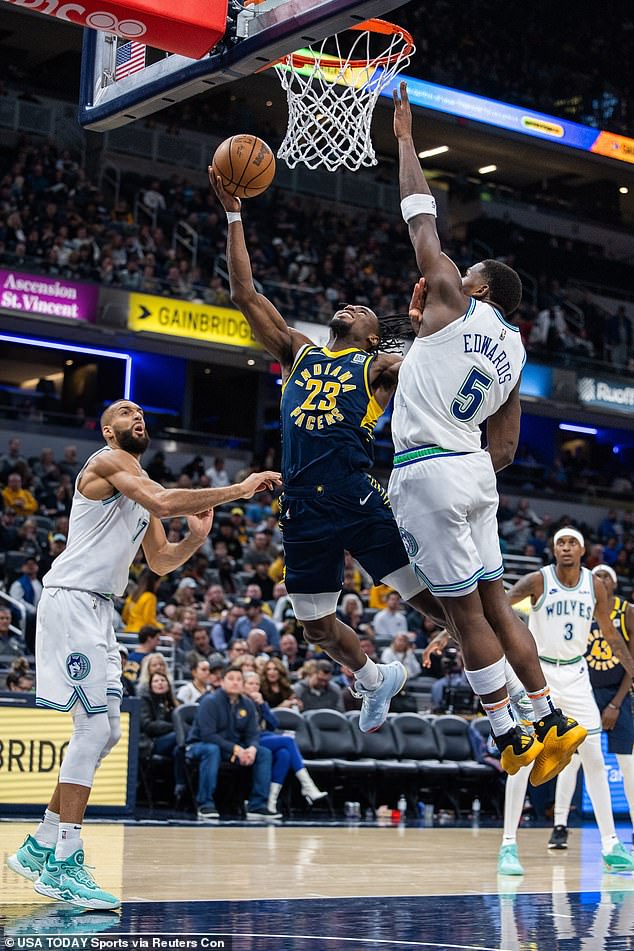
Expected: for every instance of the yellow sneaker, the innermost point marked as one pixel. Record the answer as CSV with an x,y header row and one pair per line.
x,y
517,750
560,736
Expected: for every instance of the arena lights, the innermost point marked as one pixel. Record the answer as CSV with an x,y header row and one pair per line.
x,y
437,151
72,348
573,428
624,190
486,169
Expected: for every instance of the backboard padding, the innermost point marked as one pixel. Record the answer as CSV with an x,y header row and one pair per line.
x,y
273,31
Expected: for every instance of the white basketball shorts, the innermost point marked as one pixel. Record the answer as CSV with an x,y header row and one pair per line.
x,y
571,690
446,507
76,654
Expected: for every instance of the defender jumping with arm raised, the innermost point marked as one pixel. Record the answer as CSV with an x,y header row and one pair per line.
x,y
464,368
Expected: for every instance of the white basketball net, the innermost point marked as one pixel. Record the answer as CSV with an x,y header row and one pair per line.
x,y
330,102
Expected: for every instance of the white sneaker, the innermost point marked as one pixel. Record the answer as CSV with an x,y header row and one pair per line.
x,y
376,702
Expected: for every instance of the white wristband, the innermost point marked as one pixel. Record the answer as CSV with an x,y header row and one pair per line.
x,y
418,205
233,216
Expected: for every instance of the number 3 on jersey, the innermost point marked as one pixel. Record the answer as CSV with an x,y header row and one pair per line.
x,y
468,399
569,629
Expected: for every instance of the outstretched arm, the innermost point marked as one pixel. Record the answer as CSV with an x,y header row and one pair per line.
x,y
446,300
503,431
268,326
122,471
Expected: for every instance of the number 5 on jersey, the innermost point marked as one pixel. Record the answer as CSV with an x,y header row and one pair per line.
x,y
469,397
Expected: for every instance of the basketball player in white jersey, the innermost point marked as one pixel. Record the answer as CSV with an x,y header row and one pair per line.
x,y
611,686
116,509
564,600
464,368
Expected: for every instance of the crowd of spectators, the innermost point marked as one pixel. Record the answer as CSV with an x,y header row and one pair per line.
x,y
558,61
227,609
53,218
229,600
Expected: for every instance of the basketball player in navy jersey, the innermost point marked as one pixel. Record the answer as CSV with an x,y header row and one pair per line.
x,y
332,398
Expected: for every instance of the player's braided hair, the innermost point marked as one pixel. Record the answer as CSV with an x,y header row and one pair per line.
x,y
394,329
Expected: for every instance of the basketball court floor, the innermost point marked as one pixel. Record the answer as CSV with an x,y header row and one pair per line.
x,y
293,887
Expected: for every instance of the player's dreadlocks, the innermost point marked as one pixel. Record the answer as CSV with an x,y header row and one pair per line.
x,y
394,329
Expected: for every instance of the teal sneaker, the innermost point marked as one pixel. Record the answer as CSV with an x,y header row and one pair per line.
x,y
59,918
618,859
376,703
30,858
508,861
69,880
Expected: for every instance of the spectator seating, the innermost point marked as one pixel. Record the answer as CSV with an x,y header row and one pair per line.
x,y
336,742
410,753
393,774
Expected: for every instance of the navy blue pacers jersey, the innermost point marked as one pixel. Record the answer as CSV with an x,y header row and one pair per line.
x,y
331,504
328,415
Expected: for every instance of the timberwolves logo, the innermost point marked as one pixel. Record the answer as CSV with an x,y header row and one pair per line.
x,y
411,545
78,666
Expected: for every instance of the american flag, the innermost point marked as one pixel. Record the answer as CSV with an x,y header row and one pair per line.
x,y
130,59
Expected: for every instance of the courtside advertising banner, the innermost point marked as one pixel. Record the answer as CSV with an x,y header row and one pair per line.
x,y
40,295
189,319
33,743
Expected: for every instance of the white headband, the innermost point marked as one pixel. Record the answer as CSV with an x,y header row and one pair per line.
x,y
609,571
571,533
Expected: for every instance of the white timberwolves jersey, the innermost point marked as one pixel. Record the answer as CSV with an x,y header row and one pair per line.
x,y
560,621
103,539
454,379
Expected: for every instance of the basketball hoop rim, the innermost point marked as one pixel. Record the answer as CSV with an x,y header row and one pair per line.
x,y
384,27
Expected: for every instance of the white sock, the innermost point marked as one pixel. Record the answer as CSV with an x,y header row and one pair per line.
x,y
500,716
514,797
47,833
593,764
369,676
509,839
626,765
565,790
542,704
514,685
69,840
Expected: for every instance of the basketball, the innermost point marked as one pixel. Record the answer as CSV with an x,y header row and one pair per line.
x,y
246,165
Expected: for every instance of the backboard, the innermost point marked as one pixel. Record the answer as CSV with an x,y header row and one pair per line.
x,y
258,33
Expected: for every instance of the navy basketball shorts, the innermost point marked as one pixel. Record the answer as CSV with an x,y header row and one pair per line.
x,y
319,523
621,736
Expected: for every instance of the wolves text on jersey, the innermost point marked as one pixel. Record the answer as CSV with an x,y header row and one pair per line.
x,y
569,607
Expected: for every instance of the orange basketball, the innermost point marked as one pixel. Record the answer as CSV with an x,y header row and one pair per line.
x,y
246,165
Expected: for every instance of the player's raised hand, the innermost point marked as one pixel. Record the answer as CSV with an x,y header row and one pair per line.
x,y
258,482
402,112
417,304
200,525
228,202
